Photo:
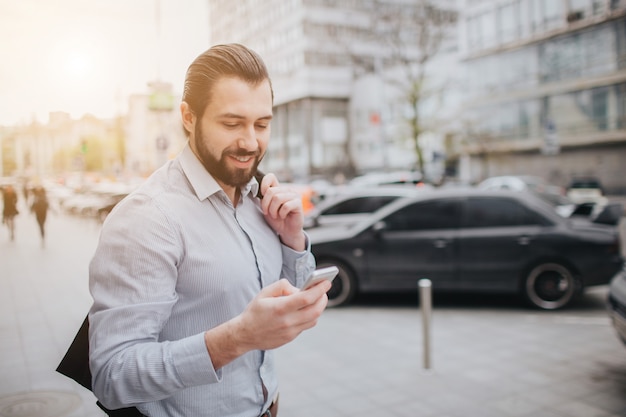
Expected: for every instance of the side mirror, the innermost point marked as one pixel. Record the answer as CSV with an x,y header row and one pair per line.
x,y
379,227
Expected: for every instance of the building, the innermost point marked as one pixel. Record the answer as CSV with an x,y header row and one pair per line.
x,y
546,89
340,97
153,129
60,147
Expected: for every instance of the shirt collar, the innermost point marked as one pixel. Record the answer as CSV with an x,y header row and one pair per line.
x,y
203,183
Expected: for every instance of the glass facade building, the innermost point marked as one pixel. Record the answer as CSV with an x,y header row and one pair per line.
x,y
546,88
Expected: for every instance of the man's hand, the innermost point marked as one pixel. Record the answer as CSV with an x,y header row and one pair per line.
x,y
282,207
276,316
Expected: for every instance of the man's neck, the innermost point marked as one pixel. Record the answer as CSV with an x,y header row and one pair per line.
x,y
233,193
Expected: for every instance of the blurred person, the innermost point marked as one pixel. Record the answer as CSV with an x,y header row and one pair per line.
x,y
196,274
9,210
40,208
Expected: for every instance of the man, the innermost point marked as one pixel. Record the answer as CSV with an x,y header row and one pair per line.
x,y
186,279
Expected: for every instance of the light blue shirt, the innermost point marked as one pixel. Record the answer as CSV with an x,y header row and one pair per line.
x,y
174,259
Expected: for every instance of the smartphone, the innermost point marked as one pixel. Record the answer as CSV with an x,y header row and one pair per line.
x,y
328,273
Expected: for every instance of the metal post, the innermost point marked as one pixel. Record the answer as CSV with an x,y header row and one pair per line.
x,y
425,295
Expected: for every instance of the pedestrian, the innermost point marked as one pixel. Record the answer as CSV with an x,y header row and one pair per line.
x,y
187,278
40,208
9,209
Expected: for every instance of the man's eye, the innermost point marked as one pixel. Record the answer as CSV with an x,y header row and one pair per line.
x,y
230,124
262,126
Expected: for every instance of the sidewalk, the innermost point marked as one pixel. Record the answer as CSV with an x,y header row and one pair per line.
x,y
490,357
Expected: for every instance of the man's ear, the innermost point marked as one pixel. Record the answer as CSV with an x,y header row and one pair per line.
x,y
188,117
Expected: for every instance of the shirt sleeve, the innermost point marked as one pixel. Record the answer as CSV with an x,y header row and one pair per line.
x,y
132,279
297,266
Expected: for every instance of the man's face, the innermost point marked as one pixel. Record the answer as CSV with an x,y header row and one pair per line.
x,y
231,138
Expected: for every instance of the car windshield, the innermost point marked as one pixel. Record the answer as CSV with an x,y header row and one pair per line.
x,y
585,184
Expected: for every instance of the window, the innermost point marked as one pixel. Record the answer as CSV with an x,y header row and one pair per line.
x,y
536,15
508,16
620,92
498,212
429,215
360,205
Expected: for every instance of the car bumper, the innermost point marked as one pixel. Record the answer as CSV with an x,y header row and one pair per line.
x,y
617,303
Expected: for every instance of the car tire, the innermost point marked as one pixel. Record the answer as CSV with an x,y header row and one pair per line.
x,y
344,285
549,286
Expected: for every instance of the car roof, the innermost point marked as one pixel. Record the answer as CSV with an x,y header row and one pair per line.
x,y
527,198
350,192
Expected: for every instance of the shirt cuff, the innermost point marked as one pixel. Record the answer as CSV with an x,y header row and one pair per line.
x,y
193,363
298,264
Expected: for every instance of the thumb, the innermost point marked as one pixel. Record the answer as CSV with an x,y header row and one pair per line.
x,y
278,289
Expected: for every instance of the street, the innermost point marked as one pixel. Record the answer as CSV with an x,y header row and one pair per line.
x,y
490,355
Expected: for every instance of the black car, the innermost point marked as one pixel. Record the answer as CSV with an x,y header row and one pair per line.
x,y
470,240
617,303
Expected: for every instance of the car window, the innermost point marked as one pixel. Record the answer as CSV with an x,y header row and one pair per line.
x,y
355,205
442,214
498,212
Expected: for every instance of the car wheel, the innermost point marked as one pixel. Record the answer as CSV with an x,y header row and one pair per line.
x,y
549,286
344,285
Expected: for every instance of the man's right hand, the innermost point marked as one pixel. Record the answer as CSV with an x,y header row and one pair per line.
x,y
276,316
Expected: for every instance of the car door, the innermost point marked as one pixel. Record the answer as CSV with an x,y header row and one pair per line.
x,y
495,237
416,241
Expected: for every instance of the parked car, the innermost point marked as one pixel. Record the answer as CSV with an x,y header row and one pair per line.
x,y
388,178
553,194
469,240
354,204
583,190
617,303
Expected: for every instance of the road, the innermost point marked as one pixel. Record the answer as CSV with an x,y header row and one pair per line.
x,y
490,356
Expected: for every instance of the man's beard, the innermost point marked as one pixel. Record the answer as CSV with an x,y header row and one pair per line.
x,y
218,168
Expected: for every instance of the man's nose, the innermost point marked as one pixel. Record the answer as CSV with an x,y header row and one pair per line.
x,y
248,139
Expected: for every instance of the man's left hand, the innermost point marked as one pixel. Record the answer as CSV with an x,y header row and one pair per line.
x,y
282,207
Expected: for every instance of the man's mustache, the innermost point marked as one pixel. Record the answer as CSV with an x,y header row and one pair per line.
x,y
242,152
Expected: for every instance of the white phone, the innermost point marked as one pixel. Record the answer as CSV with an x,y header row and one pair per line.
x,y
329,273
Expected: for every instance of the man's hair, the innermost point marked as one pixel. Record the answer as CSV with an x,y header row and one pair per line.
x,y
230,60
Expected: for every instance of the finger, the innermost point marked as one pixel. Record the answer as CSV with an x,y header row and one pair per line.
x,y
269,180
320,288
307,316
280,203
311,296
289,207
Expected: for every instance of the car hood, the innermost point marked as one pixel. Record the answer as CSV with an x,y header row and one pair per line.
x,y
587,224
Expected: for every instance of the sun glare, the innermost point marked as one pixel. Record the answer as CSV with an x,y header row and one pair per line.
x,y
77,65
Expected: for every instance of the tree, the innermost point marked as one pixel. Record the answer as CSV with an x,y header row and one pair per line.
x,y
425,28
403,39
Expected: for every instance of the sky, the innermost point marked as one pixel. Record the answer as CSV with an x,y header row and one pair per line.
x,y
87,56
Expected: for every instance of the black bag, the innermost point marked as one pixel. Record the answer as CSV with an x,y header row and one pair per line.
x,y
75,365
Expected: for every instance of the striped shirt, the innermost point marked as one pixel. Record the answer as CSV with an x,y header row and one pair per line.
x,y
176,258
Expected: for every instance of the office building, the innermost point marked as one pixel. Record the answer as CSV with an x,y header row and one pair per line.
x,y
546,89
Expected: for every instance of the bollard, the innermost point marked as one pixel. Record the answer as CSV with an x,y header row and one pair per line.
x,y
425,295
